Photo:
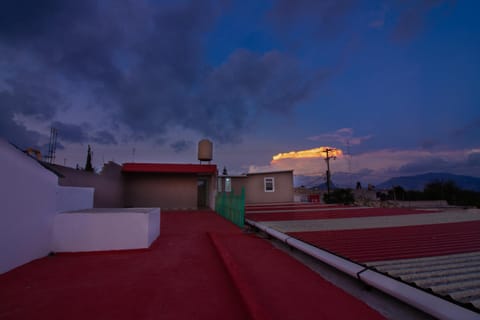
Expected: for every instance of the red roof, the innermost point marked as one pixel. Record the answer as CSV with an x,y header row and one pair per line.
x,y
169,168
392,243
437,251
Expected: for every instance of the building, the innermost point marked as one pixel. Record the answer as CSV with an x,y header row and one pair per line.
x,y
163,185
171,186
260,187
108,183
175,186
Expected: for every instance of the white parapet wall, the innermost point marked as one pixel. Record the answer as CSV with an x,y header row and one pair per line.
x,y
28,205
74,198
106,229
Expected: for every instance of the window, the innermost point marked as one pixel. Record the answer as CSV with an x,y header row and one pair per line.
x,y
269,184
219,185
228,185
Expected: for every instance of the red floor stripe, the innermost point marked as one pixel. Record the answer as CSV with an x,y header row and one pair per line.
x,y
280,287
246,291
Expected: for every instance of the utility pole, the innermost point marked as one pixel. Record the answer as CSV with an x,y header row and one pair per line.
x,y
328,152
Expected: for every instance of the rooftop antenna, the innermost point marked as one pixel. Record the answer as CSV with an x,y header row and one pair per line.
x,y
52,145
329,151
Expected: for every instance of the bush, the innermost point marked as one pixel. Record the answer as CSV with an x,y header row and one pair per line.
x,y
343,196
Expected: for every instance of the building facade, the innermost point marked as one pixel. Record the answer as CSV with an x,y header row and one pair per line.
x,y
169,186
260,187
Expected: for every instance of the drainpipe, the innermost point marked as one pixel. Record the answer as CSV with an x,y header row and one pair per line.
x,y
428,303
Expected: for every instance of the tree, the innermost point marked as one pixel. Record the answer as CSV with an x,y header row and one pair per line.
x,y
441,190
343,196
88,165
397,193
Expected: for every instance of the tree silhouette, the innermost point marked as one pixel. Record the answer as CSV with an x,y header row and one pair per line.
x,y
88,165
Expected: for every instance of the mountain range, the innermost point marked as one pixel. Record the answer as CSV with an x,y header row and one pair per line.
x,y
416,182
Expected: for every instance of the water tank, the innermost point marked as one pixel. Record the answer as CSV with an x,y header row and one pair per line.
x,y
205,150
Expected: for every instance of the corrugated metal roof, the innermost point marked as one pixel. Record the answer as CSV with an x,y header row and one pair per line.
x,y
438,251
376,244
319,211
169,168
455,276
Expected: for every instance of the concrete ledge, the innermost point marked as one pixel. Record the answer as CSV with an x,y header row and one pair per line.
x,y
105,229
74,198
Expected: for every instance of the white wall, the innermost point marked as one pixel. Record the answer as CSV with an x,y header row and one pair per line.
x,y
27,208
74,198
106,229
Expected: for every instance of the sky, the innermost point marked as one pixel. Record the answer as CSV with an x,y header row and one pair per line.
x,y
394,85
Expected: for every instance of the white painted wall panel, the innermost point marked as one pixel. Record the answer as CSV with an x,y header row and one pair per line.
x,y
106,229
74,198
27,208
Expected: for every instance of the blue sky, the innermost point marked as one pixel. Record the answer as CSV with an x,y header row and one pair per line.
x,y
393,84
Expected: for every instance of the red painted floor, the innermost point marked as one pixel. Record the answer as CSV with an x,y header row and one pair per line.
x,y
397,242
348,212
201,267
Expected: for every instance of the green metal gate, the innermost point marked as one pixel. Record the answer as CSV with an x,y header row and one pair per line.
x,y
231,206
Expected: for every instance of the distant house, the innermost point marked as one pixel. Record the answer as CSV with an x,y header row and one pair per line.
x,y
260,187
164,185
108,184
171,186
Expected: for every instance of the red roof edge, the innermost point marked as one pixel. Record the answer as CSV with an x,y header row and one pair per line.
x,y
169,168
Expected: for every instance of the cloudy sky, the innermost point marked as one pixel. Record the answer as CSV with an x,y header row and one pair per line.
x,y
394,84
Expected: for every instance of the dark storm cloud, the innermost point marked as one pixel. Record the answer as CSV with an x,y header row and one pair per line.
x,y
471,129
181,145
143,62
328,18
315,17
71,132
246,85
83,133
104,137
27,98
412,17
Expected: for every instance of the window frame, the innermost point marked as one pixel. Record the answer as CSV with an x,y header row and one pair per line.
x,y
266,182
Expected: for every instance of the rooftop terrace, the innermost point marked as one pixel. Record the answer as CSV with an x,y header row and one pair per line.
x,y
201,267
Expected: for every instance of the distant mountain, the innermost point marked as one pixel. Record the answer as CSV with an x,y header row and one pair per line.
x,y
312,182
418,182
308,181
